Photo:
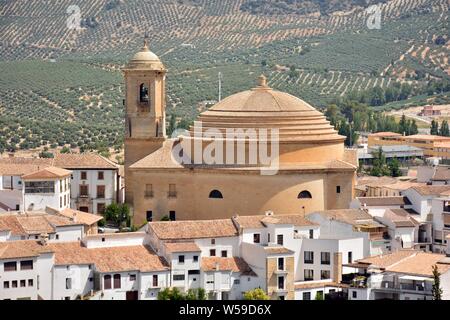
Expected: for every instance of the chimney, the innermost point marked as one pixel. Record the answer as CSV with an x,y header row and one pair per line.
x,y
74,218
269,213
217,266
11,154
43,239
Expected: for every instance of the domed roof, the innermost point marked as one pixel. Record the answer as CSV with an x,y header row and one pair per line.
x,y
145,59
263,107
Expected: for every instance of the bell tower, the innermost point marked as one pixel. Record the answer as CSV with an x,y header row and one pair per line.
x,y
145,129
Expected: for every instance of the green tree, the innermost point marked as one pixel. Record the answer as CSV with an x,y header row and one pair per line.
x,y
434,130
65,149
403,128
165,218
394,167
112,212
256,294
444,131
436,288
379,167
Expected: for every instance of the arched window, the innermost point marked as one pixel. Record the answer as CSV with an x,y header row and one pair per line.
x,y
304,195
107,282
215,194
143,93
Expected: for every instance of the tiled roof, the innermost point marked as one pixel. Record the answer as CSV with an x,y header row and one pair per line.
x,y
426,137
21,249
83,161
384,201
167,230
20,166
430,190
80,216
33,223
233,264
181,247
277,250
409,262
47,173
256,222
356,217
110,259
441,174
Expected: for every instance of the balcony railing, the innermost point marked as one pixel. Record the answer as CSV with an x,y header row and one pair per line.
x,y
148,194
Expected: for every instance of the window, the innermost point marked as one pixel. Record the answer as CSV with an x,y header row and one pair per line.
x,y
280,239
172,191
338,189
155,280
350,257
268,237
57,237
325,258
68,283
195,258
224,253
281,282
215,194
354,294
181,259
178,277
306,295
5,284
14,284
117,282
132,277
100,192
33,187
26,265
60,202
107,282
237,281
10,266
143,94
101,175
282,298
212,252
309,257
256,238
172,215
100,208
84,190
213,241
83,175
325,274
311,233
304,195
66,298
23,283
309,275
148,191
149,216
280,263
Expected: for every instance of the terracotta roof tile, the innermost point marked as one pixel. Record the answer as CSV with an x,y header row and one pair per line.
x,y
317,284
384,201
83,161
256,222
233,264
181,247
167,230
430,190
277,250
20,166
356,217
47,173
22,249
80,216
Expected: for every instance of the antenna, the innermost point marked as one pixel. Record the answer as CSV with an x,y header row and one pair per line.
x,y
220,85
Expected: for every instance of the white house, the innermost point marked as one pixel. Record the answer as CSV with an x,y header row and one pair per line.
x,y
400,275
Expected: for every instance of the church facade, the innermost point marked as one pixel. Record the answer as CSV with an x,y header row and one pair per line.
x,y
164,177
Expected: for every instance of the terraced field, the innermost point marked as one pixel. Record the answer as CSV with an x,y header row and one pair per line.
x,y
56,77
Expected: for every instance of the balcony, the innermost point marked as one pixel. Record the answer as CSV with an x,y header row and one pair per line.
x,y
281,271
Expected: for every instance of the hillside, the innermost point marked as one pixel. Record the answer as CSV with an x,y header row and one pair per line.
x,y
63,86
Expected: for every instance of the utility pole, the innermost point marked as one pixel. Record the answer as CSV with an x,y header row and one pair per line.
x,y
220,85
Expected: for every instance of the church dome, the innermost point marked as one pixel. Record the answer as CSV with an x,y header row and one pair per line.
x,y
263,107
145,59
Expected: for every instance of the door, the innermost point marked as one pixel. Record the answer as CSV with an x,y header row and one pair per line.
x,y
84,209
132,295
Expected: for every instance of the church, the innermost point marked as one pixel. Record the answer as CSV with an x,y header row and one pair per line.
x,y
309,169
